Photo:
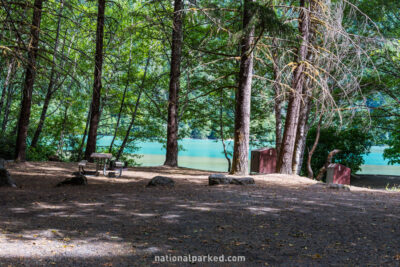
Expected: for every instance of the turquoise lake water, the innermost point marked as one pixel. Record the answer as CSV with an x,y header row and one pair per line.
x,y
208,155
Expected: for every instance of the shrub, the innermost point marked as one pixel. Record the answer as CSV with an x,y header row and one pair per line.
x,y
7,147
42,152
352,142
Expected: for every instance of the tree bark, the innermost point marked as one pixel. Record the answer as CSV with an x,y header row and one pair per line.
x,y
284,163
306,104
221,131
240,160
95,105
133,117
122,100
311,152
80,149
301,135
7,110
25,113
277,101
6,83
52,81
63,126
171,158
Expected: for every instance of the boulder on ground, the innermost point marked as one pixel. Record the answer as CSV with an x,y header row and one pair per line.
x,y
5,178
216,179
77,180
161,180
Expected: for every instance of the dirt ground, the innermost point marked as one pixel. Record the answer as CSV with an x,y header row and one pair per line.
x,y
280,221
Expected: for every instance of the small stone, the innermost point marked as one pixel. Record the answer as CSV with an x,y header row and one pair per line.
x,y
161,180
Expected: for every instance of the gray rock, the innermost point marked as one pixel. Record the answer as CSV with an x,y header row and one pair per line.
x,y
215,179
5,178
77,180
161,180
243,181
217,175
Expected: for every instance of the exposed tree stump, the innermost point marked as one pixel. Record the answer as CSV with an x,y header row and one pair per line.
x,y
161,180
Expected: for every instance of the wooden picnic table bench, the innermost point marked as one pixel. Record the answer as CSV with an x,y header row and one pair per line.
x,y
102,160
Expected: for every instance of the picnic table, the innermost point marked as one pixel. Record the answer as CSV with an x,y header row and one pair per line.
x,y
102,160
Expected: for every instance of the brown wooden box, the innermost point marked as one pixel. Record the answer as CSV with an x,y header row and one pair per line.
x,y
263,160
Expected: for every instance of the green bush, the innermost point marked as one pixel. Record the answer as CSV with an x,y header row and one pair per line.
x,y
7,147
42,152
352,142
128,158
392,153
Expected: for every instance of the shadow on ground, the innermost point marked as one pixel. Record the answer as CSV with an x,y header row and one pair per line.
x,y
122,223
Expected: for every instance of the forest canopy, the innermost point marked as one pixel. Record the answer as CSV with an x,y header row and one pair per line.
x,y
262,72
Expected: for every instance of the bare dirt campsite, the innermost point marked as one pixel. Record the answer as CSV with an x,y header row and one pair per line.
x,y
282,220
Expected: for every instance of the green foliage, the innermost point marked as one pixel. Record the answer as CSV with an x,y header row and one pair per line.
x,y
7,147
353,143
43,152
393,152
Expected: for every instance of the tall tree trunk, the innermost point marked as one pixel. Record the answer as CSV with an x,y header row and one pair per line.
x,y
314,147
240,165
277,100
63,125
171,158
134,113
80,149
306,104
284,163
95,106
6,83
302,131
7,110
25,113
128,131
122,100
52,81
221,131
